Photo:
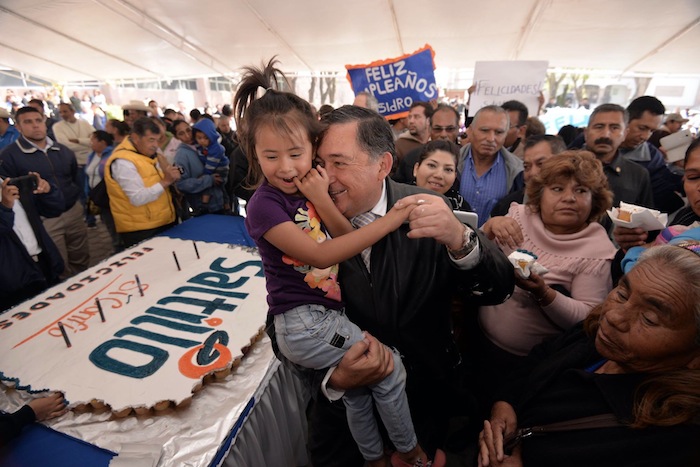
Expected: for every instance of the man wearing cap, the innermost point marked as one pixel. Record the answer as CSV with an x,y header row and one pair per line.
x,y
8,132
673,124
133,110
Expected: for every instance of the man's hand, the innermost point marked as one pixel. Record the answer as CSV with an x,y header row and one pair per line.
x,y
433,218
503,422
48,407
10,193
366,362
171,173
627,238
42,186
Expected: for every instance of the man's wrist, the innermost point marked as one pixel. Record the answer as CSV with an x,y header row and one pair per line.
x,y
468,243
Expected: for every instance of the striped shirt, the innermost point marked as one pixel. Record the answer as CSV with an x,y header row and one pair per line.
x,y
482,193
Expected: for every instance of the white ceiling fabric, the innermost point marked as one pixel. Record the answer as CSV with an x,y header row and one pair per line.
x,y
68,40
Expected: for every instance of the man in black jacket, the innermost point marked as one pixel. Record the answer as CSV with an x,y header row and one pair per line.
x,y
403,297
54,162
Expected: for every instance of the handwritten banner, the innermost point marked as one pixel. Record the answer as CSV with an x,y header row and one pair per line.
x,y
153,347
500,81
397,82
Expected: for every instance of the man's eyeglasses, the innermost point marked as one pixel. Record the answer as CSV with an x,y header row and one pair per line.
x,y
440,129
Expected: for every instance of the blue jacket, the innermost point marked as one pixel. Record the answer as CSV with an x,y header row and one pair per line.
x,y
58,167
9,137
664,183
194,182
214,155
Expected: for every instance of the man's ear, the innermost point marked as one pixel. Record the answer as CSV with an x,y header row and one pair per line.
x,y
386,162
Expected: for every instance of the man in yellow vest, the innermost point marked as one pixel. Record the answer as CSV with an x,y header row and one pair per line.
x,y
137,184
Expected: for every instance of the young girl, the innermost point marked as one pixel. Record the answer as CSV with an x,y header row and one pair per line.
x,y
278,132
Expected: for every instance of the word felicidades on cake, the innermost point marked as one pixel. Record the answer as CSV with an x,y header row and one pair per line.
x,y
164,329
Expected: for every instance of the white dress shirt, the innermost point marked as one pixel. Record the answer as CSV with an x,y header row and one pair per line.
x,y
128,178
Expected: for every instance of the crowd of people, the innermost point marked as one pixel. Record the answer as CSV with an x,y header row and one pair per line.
x,y
379,296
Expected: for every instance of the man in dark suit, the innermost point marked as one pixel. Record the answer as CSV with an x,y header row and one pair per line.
x,y
404,296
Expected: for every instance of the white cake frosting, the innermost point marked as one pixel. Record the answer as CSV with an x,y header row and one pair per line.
x,y
152,348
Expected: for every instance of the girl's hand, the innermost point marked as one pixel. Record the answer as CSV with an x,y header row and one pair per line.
x,y
314,185
505,230
398,214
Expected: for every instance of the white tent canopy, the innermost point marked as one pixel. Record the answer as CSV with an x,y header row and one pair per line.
x,y
108,40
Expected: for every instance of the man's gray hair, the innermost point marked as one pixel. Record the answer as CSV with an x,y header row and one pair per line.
x,y
374,135
494,109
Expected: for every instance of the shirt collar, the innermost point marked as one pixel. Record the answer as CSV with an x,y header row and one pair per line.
x,y
379,209
616,164
29,146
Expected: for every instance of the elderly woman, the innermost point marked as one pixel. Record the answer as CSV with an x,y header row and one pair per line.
x,y
635,362
436,170
558,224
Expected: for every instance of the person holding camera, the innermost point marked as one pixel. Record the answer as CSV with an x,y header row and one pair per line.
x,y
35,152
24,243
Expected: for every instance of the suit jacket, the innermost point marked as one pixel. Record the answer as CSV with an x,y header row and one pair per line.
x,y
406,301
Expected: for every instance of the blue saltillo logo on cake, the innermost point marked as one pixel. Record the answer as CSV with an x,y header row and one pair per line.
x,y
204,347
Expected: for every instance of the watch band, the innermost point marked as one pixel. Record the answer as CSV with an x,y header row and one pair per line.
x,y
468,244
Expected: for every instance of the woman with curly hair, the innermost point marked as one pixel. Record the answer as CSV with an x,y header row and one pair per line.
x,y
558,225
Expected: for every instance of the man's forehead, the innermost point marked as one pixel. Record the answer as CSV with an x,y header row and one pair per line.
x,y
445,116
340,141
537,151
607,117
490,119
29,116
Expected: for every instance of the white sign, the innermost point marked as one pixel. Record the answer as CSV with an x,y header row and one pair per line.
x,y
501,81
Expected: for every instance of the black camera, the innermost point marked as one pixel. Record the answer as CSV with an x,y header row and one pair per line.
x,y
25,181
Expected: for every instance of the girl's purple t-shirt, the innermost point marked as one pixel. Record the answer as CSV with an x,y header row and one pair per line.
x,y
289,282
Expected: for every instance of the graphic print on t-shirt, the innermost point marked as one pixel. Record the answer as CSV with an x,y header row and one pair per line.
x,y
323,279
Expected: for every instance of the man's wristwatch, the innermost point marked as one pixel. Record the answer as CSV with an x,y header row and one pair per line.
x,y
468,244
